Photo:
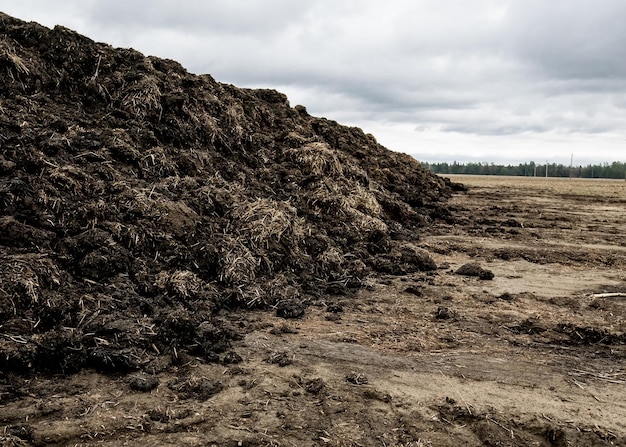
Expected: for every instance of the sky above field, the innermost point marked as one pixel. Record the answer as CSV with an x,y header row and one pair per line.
x,y
501,81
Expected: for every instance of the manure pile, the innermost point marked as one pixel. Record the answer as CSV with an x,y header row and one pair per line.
x,y
139,201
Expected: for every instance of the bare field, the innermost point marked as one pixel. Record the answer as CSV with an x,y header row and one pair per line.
x,y
535,356
601,188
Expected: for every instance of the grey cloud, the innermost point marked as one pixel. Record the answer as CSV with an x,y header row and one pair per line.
x,y
573,39
480,68
205,17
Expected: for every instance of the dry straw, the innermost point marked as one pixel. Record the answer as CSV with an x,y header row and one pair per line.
x,y
238,265
265,220
157,162
24,276
8,53
184,284
68,177
266,293
318,159
350,201
142,97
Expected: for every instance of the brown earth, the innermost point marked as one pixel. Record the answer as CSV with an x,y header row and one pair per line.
x,y
533,357
152,221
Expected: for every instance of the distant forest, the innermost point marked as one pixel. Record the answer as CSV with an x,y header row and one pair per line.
x,y
616,170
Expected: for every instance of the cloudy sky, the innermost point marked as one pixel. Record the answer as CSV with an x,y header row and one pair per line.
x,y
443,80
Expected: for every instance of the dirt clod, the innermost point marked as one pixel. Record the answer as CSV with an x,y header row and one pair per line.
x,y
281,358
414,289
290,309
446,313
334,308
377,395
283,329
357,378
231,358
475,269
332,317
144,382
199,388
506,296
314,386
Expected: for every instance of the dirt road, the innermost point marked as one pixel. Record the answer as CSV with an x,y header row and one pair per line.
x,y
535,356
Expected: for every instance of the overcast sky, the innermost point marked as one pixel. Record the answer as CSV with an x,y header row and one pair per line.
x,y
443,80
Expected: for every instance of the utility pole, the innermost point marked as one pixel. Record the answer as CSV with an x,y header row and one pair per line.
x,y
546,168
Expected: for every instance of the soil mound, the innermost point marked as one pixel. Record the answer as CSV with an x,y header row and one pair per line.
x,y
138,201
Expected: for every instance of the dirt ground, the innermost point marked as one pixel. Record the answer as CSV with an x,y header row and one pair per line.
x,y
533,357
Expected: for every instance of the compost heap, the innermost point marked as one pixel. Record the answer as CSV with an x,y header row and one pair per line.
x,y
140,204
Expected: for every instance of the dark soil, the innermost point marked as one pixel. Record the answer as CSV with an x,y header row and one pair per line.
x,y
141,204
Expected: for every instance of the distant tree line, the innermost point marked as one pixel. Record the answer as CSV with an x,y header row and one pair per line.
x,y
616,170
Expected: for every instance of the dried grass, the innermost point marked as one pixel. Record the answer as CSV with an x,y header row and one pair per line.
x,y
266,293
331,258
203,120
363,200
296,139
9,440
265,220
340,267
180,283
234,116
317,159
238,265
156,162
356,173
173,187
356,204
18,63
280,289
140,205
143,202
364,222
221,193
142,98
23,276
8,53
68,177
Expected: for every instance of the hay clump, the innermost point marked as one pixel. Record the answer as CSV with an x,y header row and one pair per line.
x,y
24,278
142,98
14,63
264,221
238,264
183,284
317,158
